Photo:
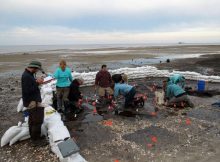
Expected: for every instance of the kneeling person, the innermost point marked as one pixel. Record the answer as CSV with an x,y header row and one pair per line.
x,y
175,94
126,90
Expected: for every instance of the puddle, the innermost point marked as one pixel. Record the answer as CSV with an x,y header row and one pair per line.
x,y
155,60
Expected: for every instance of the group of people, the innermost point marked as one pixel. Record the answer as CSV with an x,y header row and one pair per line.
x,y
67,90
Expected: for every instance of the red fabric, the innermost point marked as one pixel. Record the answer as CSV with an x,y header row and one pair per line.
x,y
103,79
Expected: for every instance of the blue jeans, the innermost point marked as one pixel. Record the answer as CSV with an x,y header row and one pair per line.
x,y
129,97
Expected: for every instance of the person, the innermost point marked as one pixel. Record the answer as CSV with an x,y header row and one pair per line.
x,y
32,100
120,77
126,90
75,94
124,78
174,94
64,79
177,79
103,82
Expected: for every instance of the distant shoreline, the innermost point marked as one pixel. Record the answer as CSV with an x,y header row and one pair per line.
x,y
20,49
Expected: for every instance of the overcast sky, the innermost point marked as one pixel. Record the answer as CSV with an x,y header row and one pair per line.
x,y
109,21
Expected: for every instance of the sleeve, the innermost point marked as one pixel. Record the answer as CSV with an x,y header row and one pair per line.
x,y
97,79
116,91
56,74
110,78
27,86
168,92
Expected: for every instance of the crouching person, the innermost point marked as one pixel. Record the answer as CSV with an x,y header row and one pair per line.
x,y
75,95
126,90
32,100
175,95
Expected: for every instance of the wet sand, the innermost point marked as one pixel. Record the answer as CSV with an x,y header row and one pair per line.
x,y
184,135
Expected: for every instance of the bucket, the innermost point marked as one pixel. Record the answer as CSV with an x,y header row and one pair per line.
x,y
201,85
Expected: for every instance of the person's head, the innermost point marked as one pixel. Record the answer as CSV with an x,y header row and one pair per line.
x,y
104,67
63,64
35,66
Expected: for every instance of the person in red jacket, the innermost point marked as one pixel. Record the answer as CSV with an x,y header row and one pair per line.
x,y
103,82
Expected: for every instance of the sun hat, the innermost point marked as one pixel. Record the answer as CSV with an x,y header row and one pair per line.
x,y
35,64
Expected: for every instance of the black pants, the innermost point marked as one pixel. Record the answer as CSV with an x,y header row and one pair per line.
x,y
129,97
36,118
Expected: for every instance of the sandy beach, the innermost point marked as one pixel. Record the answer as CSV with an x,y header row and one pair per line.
x,y
129,138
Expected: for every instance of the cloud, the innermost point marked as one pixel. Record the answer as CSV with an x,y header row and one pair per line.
x,y
108,21
63,35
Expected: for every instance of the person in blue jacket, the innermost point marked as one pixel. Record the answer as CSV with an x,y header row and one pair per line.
x,y
126,90
174,94
177,79
64,79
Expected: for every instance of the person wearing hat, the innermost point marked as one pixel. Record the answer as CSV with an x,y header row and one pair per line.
x,y
32,100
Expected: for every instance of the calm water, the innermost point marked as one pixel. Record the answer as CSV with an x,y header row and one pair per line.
x,y
34,48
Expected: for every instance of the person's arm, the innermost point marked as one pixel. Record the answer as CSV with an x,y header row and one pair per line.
x,y
168,93
56,74
27,85
96,80
116,91
110,78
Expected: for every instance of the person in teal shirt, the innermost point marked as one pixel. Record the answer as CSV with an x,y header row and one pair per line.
x,y
64,79
177,79
174,94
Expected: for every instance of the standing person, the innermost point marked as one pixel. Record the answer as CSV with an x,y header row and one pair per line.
x,y
32,100
103,82
64,79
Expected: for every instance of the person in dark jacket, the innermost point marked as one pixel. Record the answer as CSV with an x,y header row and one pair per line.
x,y
32,100
103,81
75,94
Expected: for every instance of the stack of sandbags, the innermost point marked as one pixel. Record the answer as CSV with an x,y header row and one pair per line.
x,y
57,133
15,133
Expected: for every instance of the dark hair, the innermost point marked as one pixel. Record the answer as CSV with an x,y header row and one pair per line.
x,y
104,66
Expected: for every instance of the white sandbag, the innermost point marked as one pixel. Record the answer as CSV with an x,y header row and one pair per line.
x,y
47,100
159,97
24,138
73,158
24,132
48,112
59,133
51,124
20,106
9,134
54,148
43,130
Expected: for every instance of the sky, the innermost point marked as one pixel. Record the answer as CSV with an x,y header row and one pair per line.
x,y
47,22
